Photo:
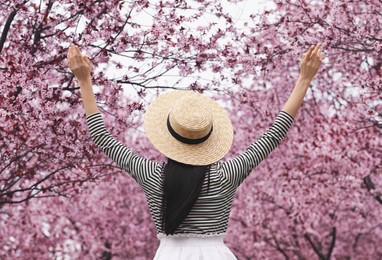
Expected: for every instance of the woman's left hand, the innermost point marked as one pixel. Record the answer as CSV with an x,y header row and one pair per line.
x,y
310,62
79,64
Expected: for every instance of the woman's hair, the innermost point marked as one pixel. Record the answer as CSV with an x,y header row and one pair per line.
x,y
181,187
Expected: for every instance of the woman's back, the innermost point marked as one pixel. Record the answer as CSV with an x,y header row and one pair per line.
x,y
210,213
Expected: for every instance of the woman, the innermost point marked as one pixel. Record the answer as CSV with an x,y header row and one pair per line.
x,y
190,196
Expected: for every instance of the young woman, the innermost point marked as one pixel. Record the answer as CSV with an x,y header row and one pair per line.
x,y
190,196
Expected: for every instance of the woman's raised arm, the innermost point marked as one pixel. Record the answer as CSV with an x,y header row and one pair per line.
x,y
310,63
81,68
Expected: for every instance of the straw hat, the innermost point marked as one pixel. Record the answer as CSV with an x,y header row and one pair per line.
x,y
189,127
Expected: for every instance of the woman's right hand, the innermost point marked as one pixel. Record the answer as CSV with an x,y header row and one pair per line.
x,y
79,64
310,62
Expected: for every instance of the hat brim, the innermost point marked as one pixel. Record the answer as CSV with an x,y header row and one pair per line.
x,y
208,152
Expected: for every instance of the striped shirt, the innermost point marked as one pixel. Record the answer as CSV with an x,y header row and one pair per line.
x,y
210,213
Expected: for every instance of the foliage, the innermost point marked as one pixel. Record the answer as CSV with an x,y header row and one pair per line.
x,y
317,195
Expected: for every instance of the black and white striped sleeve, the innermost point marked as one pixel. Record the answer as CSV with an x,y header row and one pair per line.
x,y
237,169
138,167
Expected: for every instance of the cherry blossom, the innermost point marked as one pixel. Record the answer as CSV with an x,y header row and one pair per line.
x,y
319,195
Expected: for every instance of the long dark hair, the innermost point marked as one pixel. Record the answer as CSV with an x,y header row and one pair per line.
x,y
181,187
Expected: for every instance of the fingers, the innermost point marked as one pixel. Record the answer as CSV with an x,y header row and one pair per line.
x,y
86,60
309,52
315,50
75,56
69,57
71,53
320,55
76,50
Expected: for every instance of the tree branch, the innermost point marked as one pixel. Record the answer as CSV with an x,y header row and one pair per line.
x,y
371,186
7,26
143,86
316,250
332,243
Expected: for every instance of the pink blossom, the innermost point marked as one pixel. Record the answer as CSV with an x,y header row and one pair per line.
x,y
61,198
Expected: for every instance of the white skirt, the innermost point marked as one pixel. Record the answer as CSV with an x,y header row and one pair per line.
x,y
193,247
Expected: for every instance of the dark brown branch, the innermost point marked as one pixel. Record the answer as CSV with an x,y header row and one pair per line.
x,y
143,86
7,26
332,243
20,156
278,248
316,250
368,183
371,186
40,28
352,50
379,198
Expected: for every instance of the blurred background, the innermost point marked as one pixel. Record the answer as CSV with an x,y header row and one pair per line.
x,y
318,196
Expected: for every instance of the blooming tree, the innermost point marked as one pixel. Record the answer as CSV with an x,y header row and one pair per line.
x,y
318,195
